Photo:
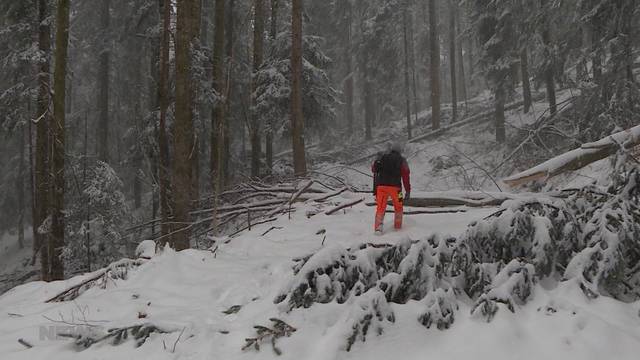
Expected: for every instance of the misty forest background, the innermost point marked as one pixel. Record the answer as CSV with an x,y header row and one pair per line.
x,y
123,120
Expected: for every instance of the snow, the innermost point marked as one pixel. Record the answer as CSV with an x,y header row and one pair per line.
x,y
146,249
187,292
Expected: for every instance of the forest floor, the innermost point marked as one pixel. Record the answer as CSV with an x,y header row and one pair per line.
x,y
186,294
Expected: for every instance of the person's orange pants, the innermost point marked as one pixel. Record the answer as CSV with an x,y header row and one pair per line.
x,y
383,193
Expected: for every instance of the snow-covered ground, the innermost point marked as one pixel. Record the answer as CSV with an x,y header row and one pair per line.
x,y
187,292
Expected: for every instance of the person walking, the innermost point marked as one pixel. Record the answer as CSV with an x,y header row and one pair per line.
x,y
390,173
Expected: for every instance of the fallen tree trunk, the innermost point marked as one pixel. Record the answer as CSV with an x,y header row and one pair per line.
x,y
578,158
455,198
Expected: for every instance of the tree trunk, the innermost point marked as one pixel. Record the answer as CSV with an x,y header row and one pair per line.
x,y
20,181
434,65
55,246
452,60
526,85
368,101
85,160
218,123
549,66
499,114
461,71
269,135
412,61
348,82
103,84
407,93
194,31
163,143
258,54
229,80
41,201
297,118
183,126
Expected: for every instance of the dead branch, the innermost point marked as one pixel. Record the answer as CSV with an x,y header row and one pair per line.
x,y
343,206
118,270
25,343
330,195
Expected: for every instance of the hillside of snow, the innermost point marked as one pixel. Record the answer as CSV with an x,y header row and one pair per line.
x,y
204,304
185,294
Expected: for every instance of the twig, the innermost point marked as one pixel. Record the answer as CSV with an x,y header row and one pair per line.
x,y
343,206
25,343
271,228
173,350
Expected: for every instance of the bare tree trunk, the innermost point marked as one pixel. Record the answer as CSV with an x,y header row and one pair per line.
x,y
218,124
56,240
183,126
163,143
434,65
103,83
20,181
406,71
461,71
269,135
526,85
452,60
348,82
258,54
368,101
196,118
499,114
549,66
229,80
85,158
412,61
40,241
297,117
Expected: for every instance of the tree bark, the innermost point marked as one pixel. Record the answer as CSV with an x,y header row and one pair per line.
x,y
434,65
549,66
163,143
269,134
183,126
412,60
229,85
297,118
42,158
526,85
20,181
452,60
258,55
348,82
406,71
218,123
499,114
103,84
55,246
461,71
